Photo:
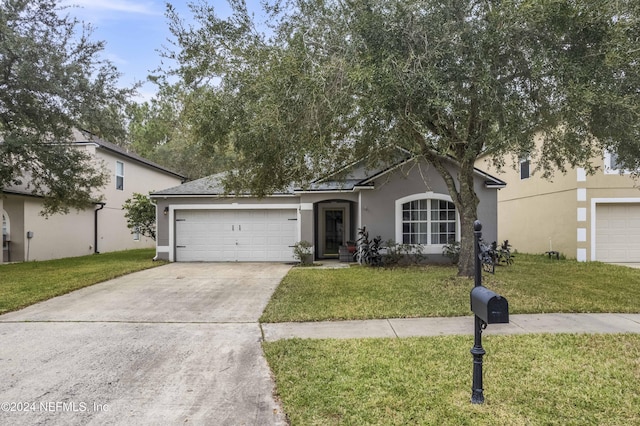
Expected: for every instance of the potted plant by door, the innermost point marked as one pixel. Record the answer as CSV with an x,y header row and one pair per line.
x,y
303,252
347,251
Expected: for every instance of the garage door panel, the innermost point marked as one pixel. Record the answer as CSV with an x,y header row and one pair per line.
x,y
618,232
235,235
617,225
617,236
261,241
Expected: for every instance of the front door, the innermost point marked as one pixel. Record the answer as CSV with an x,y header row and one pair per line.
x,y
333,231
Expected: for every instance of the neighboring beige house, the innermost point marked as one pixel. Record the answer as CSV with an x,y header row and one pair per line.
x,y
29,236
585,217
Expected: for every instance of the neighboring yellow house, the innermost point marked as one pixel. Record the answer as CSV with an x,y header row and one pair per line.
x,y
29,236
585,217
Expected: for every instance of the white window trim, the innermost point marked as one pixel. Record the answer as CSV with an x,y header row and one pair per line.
x,y
136,233
117,175
427,248
608,170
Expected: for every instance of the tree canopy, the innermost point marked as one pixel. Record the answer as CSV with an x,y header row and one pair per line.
x,y
161,131
333,81
51,81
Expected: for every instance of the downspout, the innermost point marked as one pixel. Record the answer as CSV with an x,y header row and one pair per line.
x,y
95,227
156,206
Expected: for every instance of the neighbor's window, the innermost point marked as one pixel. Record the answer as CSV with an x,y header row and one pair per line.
x,y
428,221
525,164
611,164
136,233
5,229
119,175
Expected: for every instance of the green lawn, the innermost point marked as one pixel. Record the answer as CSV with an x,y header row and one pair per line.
x,y
562,379
528,380
22,284
533,284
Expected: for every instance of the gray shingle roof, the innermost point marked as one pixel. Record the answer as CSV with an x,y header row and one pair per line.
x,y
210,185
357,177
81,136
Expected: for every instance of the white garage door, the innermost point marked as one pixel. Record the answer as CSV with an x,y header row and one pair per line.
x,y
618,232
235,235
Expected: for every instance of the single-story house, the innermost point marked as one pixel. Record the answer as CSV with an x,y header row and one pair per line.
x,y
407,203
588,217
27,235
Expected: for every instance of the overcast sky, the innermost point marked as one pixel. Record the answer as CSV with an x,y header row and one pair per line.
x,y
134,31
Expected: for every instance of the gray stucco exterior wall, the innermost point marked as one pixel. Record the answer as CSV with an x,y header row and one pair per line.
x,y
378,206
375,204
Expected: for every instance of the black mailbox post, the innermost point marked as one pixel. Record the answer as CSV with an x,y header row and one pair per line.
x,y
489,308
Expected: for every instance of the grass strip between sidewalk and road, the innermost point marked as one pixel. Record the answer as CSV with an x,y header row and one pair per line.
x,y
533,284
564,379
23,284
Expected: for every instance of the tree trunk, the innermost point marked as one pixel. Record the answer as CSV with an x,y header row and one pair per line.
x,y
468,211
464,197
466,264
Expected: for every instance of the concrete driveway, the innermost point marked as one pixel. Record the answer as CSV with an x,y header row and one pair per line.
x,y
177,344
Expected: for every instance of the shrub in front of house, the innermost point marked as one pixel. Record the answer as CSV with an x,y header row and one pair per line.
x,y
403,254
303,252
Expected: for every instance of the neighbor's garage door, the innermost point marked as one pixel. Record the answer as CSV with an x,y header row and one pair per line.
x,y
618,232
235,235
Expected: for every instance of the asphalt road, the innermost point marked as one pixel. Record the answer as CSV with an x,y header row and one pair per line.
x,y
177,344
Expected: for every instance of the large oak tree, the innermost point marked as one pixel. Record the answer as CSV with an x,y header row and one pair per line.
x,y
52,80
332,81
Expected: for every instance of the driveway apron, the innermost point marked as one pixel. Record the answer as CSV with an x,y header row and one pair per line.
x,y
177,344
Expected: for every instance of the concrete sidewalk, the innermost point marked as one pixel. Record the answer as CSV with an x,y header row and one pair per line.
x,y
408,327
